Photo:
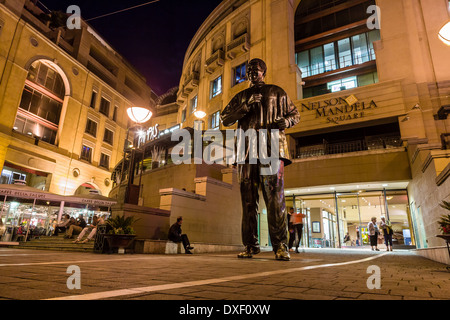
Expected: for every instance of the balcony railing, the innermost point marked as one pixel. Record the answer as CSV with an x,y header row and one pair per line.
x,y
347,147
238,45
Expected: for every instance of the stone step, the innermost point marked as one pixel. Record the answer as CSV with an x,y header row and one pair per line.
x,y
169,247
56,243
73,249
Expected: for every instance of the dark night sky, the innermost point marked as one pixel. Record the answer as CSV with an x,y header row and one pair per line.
x,y
153,38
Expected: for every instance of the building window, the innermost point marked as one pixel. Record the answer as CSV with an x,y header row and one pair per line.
x,y
91,127
329,57
104,106
108,137
93,99
216,86
214,121
351,51
183,115
193,104
341,84
104,161
239,74
86,153
40,107
116,110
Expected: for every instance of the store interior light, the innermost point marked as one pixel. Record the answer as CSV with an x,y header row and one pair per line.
x,y
139,114
444,34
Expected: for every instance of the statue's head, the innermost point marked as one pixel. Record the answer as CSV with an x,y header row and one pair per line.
x,y
256,70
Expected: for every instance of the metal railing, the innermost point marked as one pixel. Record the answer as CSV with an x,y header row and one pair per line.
x,y
331,64
372,143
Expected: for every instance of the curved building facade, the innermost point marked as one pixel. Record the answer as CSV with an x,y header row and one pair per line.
x,y
371,81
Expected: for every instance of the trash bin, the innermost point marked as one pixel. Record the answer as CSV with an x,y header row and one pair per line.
x,y
101,244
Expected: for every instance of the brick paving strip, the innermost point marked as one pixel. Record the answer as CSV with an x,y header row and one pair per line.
x,y
148,289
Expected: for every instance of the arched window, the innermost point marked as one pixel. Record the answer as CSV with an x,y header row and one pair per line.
x,y
87,188
41,103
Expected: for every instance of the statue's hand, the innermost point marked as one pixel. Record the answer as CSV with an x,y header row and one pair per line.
x,y
254,98
281,123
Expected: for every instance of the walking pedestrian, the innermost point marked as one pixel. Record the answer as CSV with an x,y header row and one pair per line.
x,y
297,226
386,226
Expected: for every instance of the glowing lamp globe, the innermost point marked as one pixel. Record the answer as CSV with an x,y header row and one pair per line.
x,y
444,34
200,114
139,114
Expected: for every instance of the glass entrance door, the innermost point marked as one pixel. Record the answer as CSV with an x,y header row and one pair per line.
x,y
337,216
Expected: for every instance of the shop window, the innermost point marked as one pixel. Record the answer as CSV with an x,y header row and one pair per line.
x,y
86,153
104,161
214,121
104,106
239,74
93,99
91,127
216,87
108,136
193,104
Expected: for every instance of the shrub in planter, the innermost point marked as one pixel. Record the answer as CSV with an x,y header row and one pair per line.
x,y
122,233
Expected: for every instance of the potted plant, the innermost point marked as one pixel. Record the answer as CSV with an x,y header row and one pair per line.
x,y
122,233
156,157
444,223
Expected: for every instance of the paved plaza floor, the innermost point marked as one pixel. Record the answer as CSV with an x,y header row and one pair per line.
x,y
314,274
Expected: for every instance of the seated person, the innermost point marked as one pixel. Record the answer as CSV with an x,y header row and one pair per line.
x,y
176,236
64,224
76,228
92,229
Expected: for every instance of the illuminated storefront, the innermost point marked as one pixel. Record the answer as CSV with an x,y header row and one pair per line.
x,y
332,212
39,210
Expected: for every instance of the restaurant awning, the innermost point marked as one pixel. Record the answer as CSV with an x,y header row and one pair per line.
x,y
26,192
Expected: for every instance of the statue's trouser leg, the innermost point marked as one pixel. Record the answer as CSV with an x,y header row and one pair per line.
x,y
273,193
249,183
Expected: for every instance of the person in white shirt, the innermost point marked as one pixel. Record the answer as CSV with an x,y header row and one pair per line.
x,y
92,229
373,233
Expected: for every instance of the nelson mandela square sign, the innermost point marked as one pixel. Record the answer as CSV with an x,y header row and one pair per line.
x,y
337,110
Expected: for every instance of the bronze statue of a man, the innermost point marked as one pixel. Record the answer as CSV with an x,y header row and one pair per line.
x,y
262,106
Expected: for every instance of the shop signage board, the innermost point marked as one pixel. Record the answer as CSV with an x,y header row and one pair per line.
x,y
148,135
